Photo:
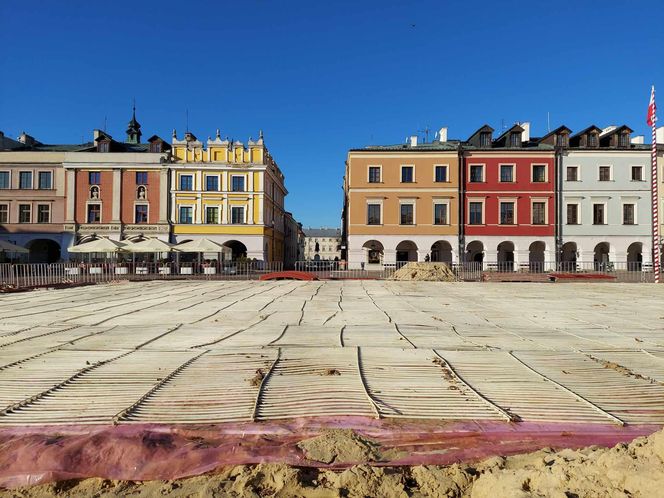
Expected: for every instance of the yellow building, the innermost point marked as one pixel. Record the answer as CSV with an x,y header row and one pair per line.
x,y
230,193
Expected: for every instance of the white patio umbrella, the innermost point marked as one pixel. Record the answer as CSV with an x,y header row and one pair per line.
x,y
99,245
149,245
9,247
199,245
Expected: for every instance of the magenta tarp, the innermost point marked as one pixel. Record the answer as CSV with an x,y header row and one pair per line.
x,y
39,454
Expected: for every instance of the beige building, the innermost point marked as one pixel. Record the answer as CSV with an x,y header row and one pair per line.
x,y
401,203
322,244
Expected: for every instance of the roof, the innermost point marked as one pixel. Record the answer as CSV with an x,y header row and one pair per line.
x,y
449,145
322,232
557,131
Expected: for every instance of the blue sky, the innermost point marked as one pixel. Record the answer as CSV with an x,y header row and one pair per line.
x,y
322,77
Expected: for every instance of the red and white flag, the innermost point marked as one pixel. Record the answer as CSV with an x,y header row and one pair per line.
x,y
651,119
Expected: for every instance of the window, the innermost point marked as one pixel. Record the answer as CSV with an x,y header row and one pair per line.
x,y
45,180
599,213
407,174
155,147
507,173
572,214
561,140
25,179
539,173
185,215
475,213
212,215
141,213
605,173
94,178
186,182
539,213
628,214
623,140
441,174
477,173
103,146
373,214
141,178
4,213
43,213
507,213
24,213
407,214
237,184
374,174
237,215
572,173
94,213
515,139
637,173
440,214
485,139
592,140
4,179
212,183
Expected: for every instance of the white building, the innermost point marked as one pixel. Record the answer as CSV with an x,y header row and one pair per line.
x,y
322,244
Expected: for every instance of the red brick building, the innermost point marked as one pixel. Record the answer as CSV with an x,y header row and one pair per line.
x,y
508,208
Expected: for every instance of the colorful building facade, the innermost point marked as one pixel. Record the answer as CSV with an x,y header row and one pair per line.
x,y
229,193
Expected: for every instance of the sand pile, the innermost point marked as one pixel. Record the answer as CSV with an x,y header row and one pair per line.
x,y
340,446
626,470
425,272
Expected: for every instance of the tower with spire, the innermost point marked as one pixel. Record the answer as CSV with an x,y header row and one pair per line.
x,y
133,129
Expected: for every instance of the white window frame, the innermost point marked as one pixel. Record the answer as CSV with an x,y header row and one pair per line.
x,y
9,180
6,204
143,203
18,212
470,167
532,172
600,166
50,212
32,179
219,211
95,202
622,212
244,214
606,213
505,200
401,173
380,174
478,200
245,184
410,202
533,200
382,212
578,213
219,185
447,172
435,203
500,165
193,213
193,182
578,172
50,172
643,170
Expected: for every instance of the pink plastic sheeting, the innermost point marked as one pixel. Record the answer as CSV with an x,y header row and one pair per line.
x,y
34,455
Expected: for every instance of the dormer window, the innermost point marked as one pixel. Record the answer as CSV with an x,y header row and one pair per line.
x,y
592,140
515,139
155,147
485,139
562,140
623,140
103,146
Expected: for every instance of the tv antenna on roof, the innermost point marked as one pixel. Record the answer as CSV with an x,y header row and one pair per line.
x,y
426,132
187,120
548,122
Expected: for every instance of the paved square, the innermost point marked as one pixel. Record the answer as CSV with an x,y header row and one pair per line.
x,y
194,352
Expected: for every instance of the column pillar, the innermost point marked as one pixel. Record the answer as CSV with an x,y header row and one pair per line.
x,y
224,212
163,196
71,196
117,196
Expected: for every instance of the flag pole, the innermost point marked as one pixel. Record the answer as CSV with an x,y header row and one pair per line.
x,y
652,121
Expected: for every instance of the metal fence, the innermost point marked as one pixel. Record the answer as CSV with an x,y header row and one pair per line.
x,y
44,274
36,275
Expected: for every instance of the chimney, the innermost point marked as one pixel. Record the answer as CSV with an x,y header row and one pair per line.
x,y
442,134
95,134
525,134
26,139
413,140
639,139
659,135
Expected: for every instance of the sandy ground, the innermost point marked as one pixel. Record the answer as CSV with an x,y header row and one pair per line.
x,y
626,470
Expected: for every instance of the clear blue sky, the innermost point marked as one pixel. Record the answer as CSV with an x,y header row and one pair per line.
x,y
322,77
